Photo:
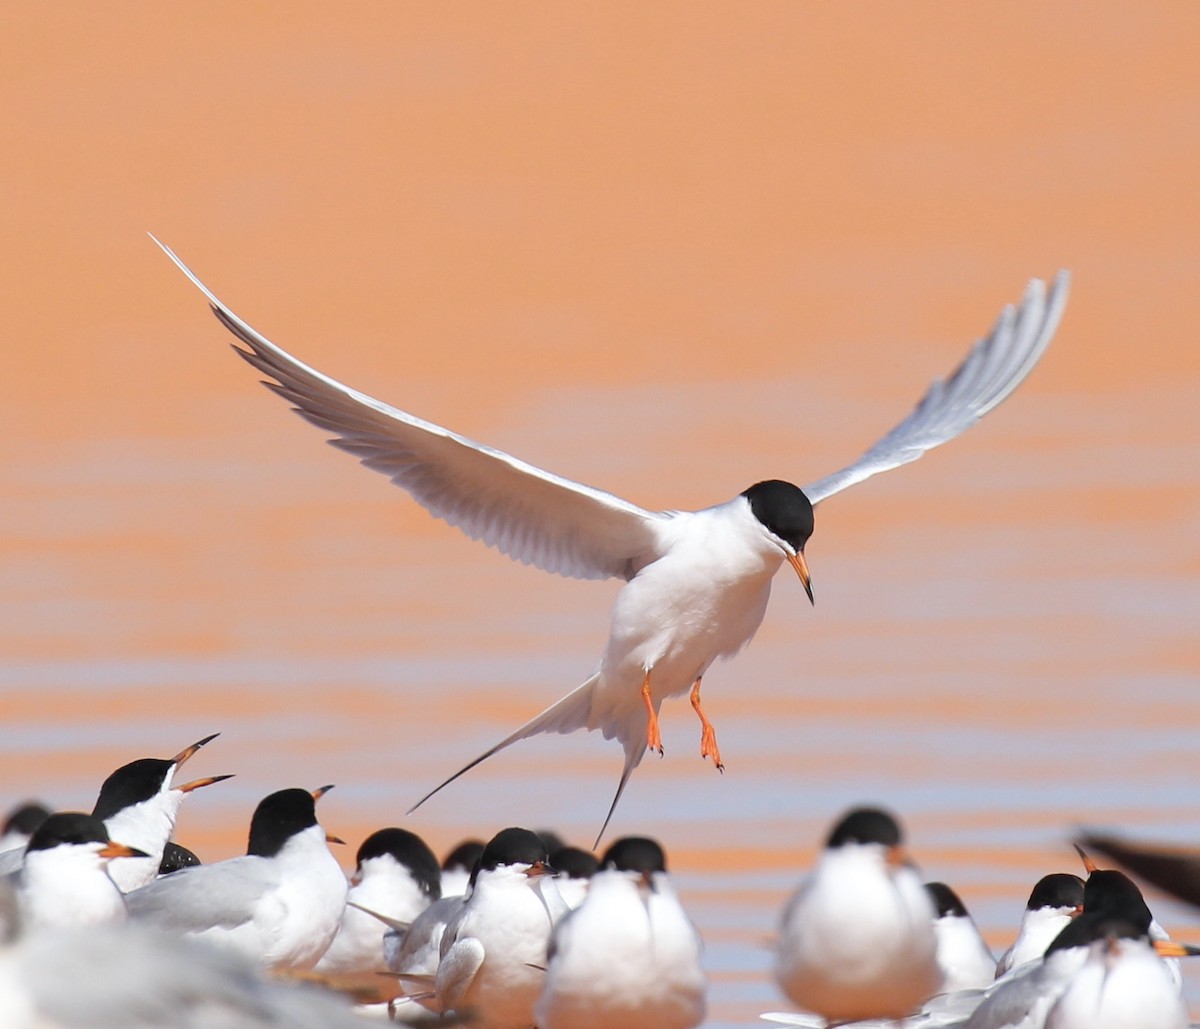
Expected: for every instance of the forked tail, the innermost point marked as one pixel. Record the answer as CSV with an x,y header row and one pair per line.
x,y
566,715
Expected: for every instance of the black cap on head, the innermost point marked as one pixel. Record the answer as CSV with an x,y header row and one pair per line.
x,y
574,863
175,858
70,827
1111,894
635,854
278,818
131,784
512,846
466,856
783,509
409,850
1057,890
946,900
866,825
25,818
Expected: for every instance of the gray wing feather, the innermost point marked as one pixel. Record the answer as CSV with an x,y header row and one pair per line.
x,y
995,366
194,899
529,514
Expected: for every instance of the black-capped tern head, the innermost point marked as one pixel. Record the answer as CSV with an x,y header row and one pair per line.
x,y
64,879
139,804
1054,900
697,582
458,865
963,955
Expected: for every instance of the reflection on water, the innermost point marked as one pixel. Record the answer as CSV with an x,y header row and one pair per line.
x,y
1002,649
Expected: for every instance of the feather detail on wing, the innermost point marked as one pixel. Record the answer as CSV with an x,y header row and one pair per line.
x,y
996,365
529,514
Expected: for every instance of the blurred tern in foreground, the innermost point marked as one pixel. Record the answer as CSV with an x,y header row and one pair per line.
x,y
139,806
963,956
857,939
64,881
1053,902
629,955
280,904
697,582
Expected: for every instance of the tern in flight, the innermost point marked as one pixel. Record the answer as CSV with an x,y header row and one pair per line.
x,y
696,582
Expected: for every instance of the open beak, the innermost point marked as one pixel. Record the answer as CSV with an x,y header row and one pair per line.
x,y
116,850
797,561
195,784
187,752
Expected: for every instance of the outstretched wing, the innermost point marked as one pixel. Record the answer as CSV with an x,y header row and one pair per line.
x,y
529,514
996,365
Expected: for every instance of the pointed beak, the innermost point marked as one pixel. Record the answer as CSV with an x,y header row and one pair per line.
x,y
539,868
187,752
330,838
116,850
195,784
898,857
797,561
320,791
1088,864
1171,949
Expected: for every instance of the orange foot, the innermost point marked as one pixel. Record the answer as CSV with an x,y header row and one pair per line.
x,y
708,735
653,736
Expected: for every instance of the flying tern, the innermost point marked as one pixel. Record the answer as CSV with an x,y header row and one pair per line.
x,y
696,582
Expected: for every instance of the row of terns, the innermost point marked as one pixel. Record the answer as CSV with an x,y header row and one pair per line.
x,y
521,931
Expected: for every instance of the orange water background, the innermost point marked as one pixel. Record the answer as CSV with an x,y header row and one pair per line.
x,y
669,250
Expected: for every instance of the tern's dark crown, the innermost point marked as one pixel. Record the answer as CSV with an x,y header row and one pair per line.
x,y
1056,890
131,784
409,850
71,827
946,900
635,854
783,509
865,825
278,818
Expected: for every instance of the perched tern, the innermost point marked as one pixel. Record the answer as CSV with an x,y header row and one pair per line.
x,y
280,904
629,955
1024,997
139,805
857,938
397,877
697,582
1053,902
1123,982
493,952
964,958
64,881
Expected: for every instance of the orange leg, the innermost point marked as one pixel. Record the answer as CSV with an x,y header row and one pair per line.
x,y
653,736
708,735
